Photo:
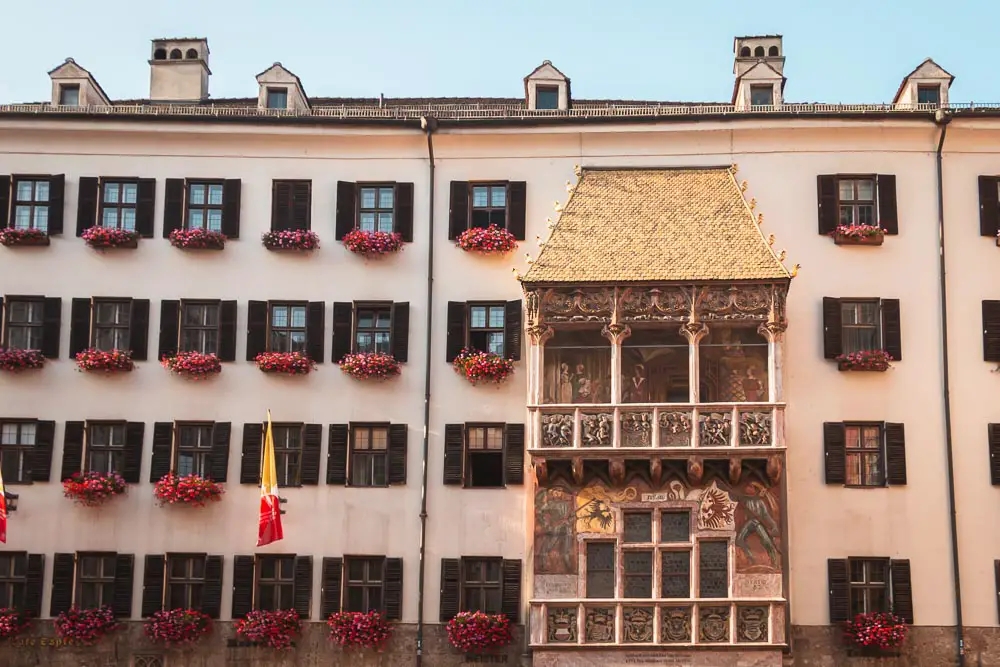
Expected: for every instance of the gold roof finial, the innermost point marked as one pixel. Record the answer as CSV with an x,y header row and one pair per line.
x,y
760,218
781,255
558,207
770,239
735,167
795,270
743,186
528,258
753,203
517,274
577,170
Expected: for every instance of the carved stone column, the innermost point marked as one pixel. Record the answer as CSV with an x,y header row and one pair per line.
x,y
774,333
616,333
694,331
537,337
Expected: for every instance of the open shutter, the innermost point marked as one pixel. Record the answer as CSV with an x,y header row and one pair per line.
x,y
301,205
173,206
72,459
346,211
51,325
256,328
336,456
514,453
253,434
510,601
895,454
152,584
892,335
840,605
170,323
834,452
456,330
227,331
34,576
829,216
330,589
343,314
516,208
218,458
86,204
134,432
400,331
79,326
40,458
138,334
450,588
993,438
512,331
243,581
902,590
458,214
888,217
312,437
122,599
404,211
832,328
5,200
163,446
302,585
316,331
989,206
281,205
63,566
145,207
393,589
232,196
454,441
211,594
57,205
397,453
996,579
991,331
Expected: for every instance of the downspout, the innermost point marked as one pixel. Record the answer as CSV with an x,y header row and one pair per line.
x,y
942,118
428,124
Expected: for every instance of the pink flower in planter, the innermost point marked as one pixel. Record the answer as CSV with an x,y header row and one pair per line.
x,y
273,629
177,627
373,244
290,239
12,623
193,490
285,363
475,631
193,365
92,489
878,630
85,626
370,365
354,629
15,361
858,231
865,360
482,366
197,239
491,240
12,236
103,237
110,361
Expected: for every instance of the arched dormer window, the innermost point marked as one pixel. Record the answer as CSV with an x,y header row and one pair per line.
x,y
745,52
773,52
759,52
175,54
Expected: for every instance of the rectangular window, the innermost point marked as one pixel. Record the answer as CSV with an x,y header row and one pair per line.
x,y
601,570
675,574
481,590
638,527
484,465
713,569
377,206
112,321
638,566
118,202
857,201
13,579
929,94
761,96
204,205
373,329
275,583
864,455
277,98
363,583
23,328
185,581
860,323
486,327
95,580
194,446
200,327
489,205
369,447
105,447
288,327
31,204
69,95
869,587
675,526
17,439
288,453
546,97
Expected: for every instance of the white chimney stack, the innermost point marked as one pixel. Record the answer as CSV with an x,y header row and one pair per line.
x,y
178,70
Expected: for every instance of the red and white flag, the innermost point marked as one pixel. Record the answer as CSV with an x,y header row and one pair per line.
x,y
269,529
3,512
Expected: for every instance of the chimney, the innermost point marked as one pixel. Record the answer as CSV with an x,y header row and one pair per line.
x,y
759,66
178,70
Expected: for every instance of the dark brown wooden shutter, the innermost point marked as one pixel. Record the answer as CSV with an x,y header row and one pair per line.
x,y
79,327
346,211
173,206
170,324
393,589
512,331
153,572
281,205
840,603
301,213
510,600
51,326
256,328
454,445
829,216
996,579
458,215
517,208
86,204
400,331
5,200
145,207
218,458
134,432
57,205
397,453
243,584
336,455
514,453
138,331
316,331
227,331
302,586
989,206
312,438
902,590
451,588
888,217
163,449
403,220
63,566
456,330
832,328
892,334
72,459
834,452
253,434
993,440
991,331
232,197
122,599
895,454
211,593
329,594
343,316
40,458
34,576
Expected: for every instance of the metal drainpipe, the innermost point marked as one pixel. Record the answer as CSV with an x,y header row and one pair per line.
x,y
942,118
428,124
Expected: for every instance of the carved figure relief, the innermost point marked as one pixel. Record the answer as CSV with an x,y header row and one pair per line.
x,y
637,429
755,429
751,624
596,429
713,624
561,625
557,430
675,429
600,625
675,625
637,624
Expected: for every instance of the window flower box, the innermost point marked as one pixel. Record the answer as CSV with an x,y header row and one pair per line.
x,y
12,623
354,629
197,239
110,361
875,634
15,361
191,490
85,626
15,236
479,367
489,241
858,235
290,239
101,238
177,627
865,360
271,629
284,363
373,244
476,632
370,366
193,365
93,489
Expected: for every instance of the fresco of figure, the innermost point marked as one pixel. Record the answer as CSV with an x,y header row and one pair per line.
x,y
757,506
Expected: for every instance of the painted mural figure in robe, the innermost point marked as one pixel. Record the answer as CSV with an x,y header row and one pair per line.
x,y
759,521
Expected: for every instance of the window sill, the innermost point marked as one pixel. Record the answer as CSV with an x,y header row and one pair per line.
x,y
14,242
128,245
873,240
845,366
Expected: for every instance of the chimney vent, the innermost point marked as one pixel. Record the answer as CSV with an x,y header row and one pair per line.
x,y
178,70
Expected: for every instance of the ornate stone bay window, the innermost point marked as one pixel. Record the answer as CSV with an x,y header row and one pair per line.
x,y
654,315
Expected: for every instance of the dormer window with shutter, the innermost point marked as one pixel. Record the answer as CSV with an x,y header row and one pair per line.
x,y
857,209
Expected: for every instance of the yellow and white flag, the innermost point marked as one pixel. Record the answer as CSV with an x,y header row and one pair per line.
x,y
269,528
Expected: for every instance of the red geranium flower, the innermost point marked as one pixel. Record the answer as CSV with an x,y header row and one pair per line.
x,y
865,360
104,237
20,360
111,361
373,244
290,239
194,365
482,366
475,631
192,490
175,627
85,626
12,623
287,363
11,236
92,489
197,239
355,629
491,240
878,630
370,365
273,629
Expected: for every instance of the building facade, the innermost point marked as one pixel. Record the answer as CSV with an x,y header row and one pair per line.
x,y
682,468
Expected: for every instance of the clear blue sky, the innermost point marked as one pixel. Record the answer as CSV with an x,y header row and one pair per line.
x,y
845,51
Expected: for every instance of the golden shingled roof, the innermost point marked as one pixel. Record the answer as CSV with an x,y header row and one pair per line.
x,y
644,225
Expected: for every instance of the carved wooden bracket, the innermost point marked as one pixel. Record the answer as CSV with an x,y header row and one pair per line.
x,y
774,468
655,471
616,468
696,470
578,470
541,472
735,470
